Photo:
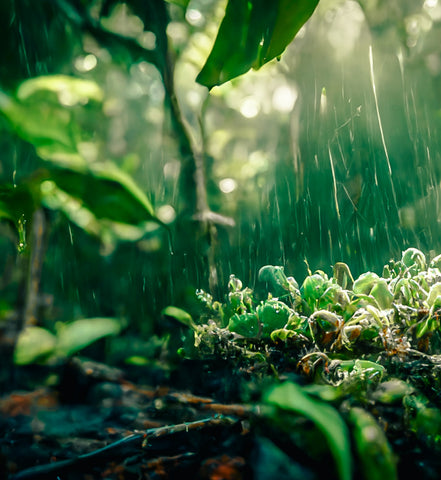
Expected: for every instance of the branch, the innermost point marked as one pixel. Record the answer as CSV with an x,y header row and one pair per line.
x,y
138,441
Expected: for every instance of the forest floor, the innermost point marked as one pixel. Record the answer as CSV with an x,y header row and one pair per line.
x,y
95,423
100,422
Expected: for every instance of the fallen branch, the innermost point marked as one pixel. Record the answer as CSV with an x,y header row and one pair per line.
x,y
139,441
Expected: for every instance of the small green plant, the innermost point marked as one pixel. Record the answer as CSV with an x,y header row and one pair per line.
x,y
395,314
368,347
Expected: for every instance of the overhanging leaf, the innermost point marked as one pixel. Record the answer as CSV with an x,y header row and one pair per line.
x,y
251,34
41,110
69,90
105,190
290,396
42,125
291,16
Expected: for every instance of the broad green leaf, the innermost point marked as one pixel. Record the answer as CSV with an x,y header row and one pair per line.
x,y
41,111
434,293
365,282
79,334
180,315
246,324
237,43
291,397
34,344
272,315
382,294
291,16
105,190
277,280
414,259
374,452
70,91
252,33
40,124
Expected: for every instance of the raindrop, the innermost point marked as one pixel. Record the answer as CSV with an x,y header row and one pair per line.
x,y
249,107
86,63
284,98
166,213
194,17
227,185
148,40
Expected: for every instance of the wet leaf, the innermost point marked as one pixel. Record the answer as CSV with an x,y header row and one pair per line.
x,y
434,293
34,344
414,259
41,112
374,452
103,189
17,205
365,282
251,34
273,315
73,337
69,90
343,276
246,325
180,315
382,295
290,397
392,391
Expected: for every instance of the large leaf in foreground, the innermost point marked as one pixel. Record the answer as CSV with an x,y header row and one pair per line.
x,y
251,34
374,452
290,397
103,189
41,111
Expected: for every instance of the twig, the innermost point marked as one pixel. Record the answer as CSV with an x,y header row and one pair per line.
x,y
136,440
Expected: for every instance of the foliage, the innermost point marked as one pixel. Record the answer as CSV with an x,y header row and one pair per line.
x,y
259,31
357,343
291,397
40,345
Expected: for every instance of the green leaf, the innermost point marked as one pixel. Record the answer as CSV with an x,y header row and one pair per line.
x,y
105,190
180,315
34,344
434,293
252,33
79,334
291,397
291,16
41,112
414,259
272,315
365,282
246,324
374,452
39,124
382,294
70,91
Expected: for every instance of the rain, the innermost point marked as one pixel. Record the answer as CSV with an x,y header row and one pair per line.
x,y
127,186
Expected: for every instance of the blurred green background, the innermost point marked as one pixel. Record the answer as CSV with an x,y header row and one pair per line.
x,y
331,153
